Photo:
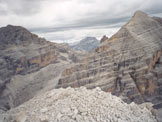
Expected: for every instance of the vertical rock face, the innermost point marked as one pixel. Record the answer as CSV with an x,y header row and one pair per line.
x,y
129,64
26,62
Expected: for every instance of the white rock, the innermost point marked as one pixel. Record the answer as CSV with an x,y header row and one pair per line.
x,y
83,105
44,110
21,117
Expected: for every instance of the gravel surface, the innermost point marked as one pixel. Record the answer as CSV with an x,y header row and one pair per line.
x,y
78,105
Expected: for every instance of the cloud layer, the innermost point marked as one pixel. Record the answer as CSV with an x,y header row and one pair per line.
x,y
71,20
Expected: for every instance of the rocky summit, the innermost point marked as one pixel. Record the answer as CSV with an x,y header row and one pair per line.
x,y
78,105
26,62
129,64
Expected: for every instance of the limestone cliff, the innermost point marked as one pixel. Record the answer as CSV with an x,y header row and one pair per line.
x,y
129,64
26,62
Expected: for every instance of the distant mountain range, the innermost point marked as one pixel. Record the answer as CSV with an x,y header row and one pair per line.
x,y
86,44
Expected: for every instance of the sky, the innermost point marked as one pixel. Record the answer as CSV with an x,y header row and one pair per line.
x,y
72,20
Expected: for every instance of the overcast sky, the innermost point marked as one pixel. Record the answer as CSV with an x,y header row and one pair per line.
x,y
72,20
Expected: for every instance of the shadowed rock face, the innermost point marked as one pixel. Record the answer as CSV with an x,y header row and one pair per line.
x,y
28,64
129,64
16,35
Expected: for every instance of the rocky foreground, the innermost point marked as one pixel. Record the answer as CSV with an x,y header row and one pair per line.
x,y
78,105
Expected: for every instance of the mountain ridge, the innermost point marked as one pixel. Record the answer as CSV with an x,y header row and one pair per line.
x,y
127,64
17,35
86,44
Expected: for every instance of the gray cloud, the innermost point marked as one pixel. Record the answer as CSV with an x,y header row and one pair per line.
x,y
20,7
84,24
73,19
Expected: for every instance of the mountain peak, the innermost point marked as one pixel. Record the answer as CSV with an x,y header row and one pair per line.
x,y
10,26
13,27
140,22
89,38
103,39
15,35
140,14
86,44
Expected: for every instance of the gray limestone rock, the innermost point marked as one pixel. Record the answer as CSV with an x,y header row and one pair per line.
x,y
128,64
29,65
79,105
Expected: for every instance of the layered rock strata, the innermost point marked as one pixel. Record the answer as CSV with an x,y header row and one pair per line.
x,y
26,62
129,64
